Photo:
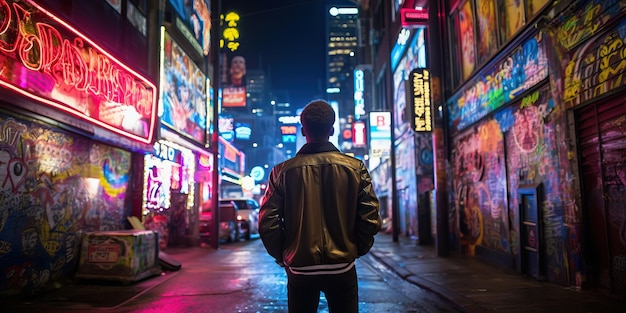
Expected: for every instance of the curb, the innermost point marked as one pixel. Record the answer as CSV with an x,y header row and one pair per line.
x,y
462,303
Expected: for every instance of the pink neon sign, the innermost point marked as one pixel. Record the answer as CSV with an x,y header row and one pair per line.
x,y
47,60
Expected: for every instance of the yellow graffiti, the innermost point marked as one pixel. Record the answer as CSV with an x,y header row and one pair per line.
x,y
572,84
530,100
606,52
52,247
574,30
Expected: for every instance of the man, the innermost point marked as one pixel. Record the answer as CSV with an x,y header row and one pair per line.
x,y
318,215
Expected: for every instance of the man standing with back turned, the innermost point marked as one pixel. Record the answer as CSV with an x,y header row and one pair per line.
x,y
318,215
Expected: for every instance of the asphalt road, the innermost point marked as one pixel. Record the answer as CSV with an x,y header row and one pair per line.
x,y
237,277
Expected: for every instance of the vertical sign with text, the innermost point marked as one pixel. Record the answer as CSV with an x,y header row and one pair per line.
x,y
419,100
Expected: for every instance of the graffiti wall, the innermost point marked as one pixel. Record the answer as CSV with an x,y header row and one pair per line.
x,y
532,158
53,185
589,46
481,214
517,146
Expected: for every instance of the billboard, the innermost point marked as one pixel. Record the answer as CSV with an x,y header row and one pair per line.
x,y
183,92
234,82
195,16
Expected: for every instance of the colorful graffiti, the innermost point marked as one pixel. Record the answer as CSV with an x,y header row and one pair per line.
x,y
588,21
480,196
596,68
532,157
500,84
54,185
517,146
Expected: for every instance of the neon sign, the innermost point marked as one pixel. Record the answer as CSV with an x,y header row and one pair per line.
x,y
419,82
288,130
359,89
47,60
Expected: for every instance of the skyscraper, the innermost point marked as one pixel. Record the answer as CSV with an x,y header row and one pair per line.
x,y
257,98
341,59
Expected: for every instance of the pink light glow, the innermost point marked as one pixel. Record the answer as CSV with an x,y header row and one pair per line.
x,y
73,74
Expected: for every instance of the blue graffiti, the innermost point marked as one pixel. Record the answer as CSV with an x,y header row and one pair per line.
x,y
505,118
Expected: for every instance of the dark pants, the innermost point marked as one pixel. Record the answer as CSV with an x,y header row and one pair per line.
x,y
341,291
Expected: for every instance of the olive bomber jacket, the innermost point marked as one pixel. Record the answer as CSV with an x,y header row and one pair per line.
x,y
319,208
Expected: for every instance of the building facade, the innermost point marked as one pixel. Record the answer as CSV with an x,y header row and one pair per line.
x,y
528,137
342,35
73,131
89,140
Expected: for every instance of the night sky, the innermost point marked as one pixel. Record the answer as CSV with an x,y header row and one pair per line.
x,y
286,39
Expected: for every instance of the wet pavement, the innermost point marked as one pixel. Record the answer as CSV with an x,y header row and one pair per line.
x,y
476,286
465,284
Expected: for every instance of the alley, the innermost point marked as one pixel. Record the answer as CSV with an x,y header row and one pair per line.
x,y
238,277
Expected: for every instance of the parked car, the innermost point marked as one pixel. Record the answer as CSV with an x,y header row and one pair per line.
x,y
247,215
229,226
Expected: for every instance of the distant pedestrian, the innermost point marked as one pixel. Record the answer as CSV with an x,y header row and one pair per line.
x,y
318,215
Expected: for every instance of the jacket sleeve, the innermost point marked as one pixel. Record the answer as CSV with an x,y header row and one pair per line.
x,y
271,219
368,222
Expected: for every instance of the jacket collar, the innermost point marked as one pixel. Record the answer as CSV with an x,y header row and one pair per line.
x,y
311,148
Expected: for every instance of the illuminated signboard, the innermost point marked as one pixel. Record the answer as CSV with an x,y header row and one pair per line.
x,y
231,162
170,168
414,17
380,134
358,134
419,102
359,89
230,34
48,61
195,22
362,89
243,131
183,92
289,133
289,129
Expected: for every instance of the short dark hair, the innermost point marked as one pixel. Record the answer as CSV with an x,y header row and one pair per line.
x,y
317,119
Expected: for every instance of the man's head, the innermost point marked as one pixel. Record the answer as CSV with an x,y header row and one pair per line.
x,y
317,120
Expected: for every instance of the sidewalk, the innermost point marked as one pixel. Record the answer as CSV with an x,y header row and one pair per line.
x,y
477,286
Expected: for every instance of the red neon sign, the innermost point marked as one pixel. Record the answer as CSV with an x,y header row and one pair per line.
x,y
414,17
358,134
288,130
47,60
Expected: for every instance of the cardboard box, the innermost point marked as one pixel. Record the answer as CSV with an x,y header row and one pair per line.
x,y
123,255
